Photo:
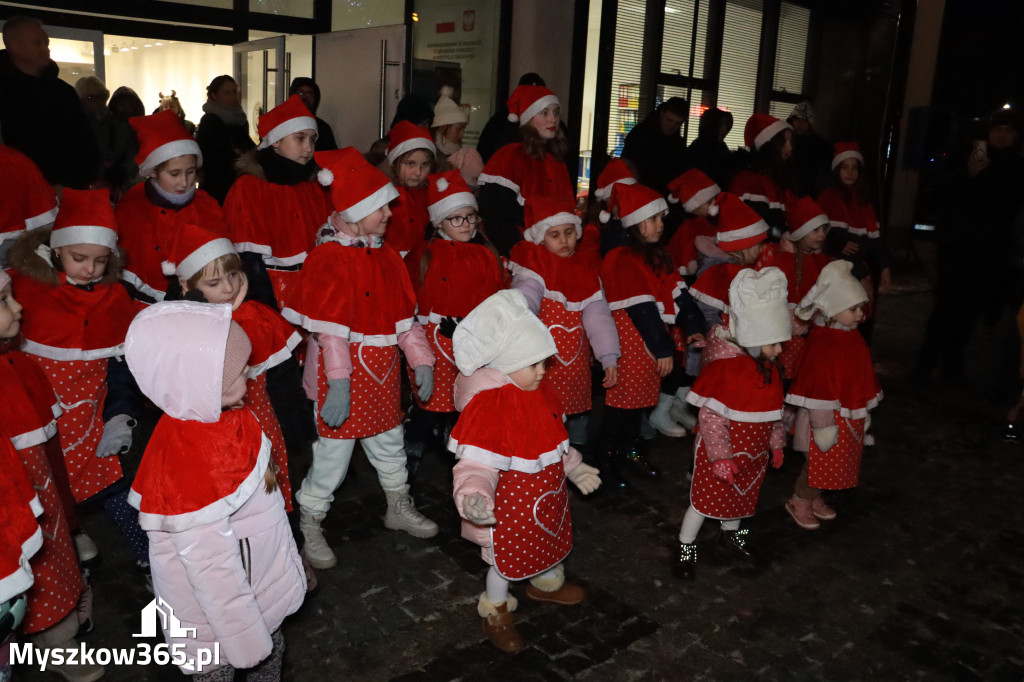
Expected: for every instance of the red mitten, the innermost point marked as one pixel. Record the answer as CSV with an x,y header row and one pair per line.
x,y
724,469
777,456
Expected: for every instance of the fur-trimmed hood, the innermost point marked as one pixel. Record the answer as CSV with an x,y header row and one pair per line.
x,y
25,257
249,164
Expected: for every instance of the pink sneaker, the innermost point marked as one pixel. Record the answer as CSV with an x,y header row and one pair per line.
x,y
822,510
800,510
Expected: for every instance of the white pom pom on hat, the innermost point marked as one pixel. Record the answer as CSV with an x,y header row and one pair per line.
x,y
604,216
325,177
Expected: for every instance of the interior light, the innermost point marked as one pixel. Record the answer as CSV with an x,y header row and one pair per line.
x,y
1006,106
415,16
159,44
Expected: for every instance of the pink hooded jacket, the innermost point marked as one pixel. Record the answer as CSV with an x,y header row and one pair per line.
x,y
230,569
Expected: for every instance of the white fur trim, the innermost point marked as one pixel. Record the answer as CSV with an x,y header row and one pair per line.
x,y
84,234
409,145
57,353
277,357
769,132
627,302
843,156
488,179
811,225
345,332
557,296
702,197
655,207
284,262
365,207
205,254
36,436
21,579
536,107
135,281
605,192
506,463
736,415
760,227
166,152
815,404
325,176
444,207
283,130
535,233
709,301
41,220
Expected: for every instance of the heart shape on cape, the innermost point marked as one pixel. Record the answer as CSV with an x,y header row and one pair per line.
x,y
440,348
749,465
379,380
567,336
859,437
546,508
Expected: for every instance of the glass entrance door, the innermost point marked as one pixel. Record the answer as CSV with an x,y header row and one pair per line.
x,y
261,70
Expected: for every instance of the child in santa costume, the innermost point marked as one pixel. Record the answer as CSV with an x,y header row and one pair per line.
x,y
150,214
534,166
510,481
645,295
223,555
68,278
411,161
798,254
835,389
694,192
739,432
763,185
209,270
615,172
356,300
451,274
558,268
27,201
29,414
275,207
855,235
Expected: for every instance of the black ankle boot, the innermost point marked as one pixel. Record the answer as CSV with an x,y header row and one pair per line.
x,y
610,466
734,543
685,561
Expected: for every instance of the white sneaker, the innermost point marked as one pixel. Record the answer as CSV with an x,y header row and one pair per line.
x,y
403,515
316,550
661,420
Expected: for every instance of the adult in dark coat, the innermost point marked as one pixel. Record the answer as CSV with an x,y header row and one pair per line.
x,y
809,168
979,264
223,136
655,148
309,92
709,152
40,114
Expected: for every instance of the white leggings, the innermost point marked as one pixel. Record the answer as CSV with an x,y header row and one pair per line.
x,y
693,520
497,587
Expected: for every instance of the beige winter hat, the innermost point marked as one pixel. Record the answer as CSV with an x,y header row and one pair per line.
x,y
835,291
758,313
501,333
447,111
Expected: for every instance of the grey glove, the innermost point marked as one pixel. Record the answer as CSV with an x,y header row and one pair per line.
x,y
117,436
425,382
337,403
474,507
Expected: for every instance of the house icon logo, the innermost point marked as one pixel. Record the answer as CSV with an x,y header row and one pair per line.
x,y
167,619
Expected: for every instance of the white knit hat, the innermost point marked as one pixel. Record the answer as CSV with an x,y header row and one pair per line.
x,y
447,111
501,333
835,291
758,313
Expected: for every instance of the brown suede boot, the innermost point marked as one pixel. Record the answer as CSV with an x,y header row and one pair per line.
x,y
499,624
552,588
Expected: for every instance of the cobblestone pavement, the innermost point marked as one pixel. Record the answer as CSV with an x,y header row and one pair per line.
x,y
919,578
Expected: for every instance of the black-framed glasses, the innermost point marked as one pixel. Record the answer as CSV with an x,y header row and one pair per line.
x,y
457,220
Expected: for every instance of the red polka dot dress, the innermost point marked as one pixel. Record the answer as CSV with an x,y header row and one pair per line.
x,y
72,332
458,277
835,373
273,340
362,294
570,285
526,444
732,387
28,414
627,281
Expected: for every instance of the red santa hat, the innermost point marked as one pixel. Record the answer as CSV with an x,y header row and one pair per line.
x,y
761,128
357,188
615,171
405,137
634,204
194,247
85,217
739,226
542,213
758,308
804,216
846,150
446,193
694,189
162,137
527,101
283,120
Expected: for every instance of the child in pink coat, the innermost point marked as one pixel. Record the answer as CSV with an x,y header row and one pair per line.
x,y
514,458
222,553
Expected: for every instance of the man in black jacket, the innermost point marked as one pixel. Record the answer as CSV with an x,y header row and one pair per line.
x,y
40,114
655,148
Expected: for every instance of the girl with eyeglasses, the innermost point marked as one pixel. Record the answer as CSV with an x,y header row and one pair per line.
x,y
452,273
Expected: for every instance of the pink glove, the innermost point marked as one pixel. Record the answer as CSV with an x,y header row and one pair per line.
x,y
724,469
777,456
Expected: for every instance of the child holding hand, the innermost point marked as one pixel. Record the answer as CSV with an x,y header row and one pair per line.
x,y
835,390
514,458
